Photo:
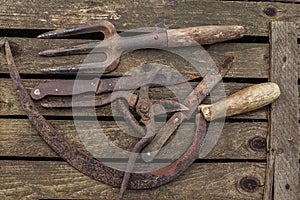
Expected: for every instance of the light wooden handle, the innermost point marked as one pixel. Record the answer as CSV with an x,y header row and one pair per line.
x,y
203,35
245,100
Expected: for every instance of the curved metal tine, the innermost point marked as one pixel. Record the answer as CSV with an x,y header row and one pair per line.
x,y
103,47
87,68
74,50
103,26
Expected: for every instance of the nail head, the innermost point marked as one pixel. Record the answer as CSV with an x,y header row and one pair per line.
x,y
37,92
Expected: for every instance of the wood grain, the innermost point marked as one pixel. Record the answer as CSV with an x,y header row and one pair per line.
x,y
125,14
284,135
19,139
254,65
48,180
10,105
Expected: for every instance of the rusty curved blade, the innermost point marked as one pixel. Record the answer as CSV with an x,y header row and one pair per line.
x,y
86,163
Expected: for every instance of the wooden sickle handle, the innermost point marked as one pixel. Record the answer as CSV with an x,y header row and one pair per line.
x,y
248,99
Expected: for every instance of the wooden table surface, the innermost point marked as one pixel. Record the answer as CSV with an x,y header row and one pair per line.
x,y
31,170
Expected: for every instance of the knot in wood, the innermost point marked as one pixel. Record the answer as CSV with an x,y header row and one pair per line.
x,y
249,184
257,143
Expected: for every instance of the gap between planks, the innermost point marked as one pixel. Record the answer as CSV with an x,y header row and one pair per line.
x,y
19,139
22,14
33,180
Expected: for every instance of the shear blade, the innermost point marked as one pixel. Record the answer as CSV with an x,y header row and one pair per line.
x,y
167,106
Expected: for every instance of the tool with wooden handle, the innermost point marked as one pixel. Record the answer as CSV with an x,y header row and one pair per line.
x,y
248,99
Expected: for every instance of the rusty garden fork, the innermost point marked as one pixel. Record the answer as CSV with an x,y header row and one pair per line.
x,y
114,45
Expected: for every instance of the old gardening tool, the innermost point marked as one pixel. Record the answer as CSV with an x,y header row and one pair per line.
x,y
245,100
114,45
97,86
98,170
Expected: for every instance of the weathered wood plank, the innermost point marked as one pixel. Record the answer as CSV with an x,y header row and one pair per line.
x,y
48,180
284,135
254,65
281,1
10,105
251,60
19,139
42,14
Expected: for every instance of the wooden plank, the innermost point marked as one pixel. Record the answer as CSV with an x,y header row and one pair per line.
x,y
43,14
10,105
51,180
254,65
283,164
281,1
19,139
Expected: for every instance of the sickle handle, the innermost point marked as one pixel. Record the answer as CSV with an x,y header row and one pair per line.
x,y
248,99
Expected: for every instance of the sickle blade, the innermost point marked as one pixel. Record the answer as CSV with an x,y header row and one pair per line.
x,y
89,165
86,163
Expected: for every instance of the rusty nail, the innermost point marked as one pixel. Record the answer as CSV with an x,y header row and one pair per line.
x,y
249,184
270,11
257,143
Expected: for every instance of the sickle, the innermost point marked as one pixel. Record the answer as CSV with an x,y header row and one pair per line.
x,y
91,166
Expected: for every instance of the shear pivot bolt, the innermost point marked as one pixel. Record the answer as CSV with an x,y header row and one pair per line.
x,y
144,108
37,92
156,37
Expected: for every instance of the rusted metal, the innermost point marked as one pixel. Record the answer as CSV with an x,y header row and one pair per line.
x,y
192,101
113,45
66,87
86,163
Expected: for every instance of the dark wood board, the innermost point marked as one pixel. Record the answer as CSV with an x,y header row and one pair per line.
x,y
42,14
